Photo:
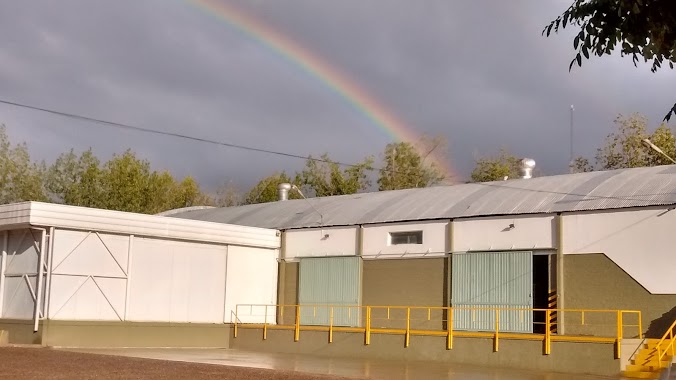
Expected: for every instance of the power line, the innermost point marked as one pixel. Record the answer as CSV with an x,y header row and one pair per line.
x,y
178,135
260,150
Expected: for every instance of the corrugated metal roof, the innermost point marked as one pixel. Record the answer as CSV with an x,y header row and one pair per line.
x,y
571,192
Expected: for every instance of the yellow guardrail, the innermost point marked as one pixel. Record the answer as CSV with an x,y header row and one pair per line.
x,y
587,325
670,348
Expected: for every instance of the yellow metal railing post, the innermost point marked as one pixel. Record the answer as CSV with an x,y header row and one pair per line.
x,y
296,332
331,325
236,307
548,333
640,325
407,339
618,350
265,324
496,343
449,328
367,330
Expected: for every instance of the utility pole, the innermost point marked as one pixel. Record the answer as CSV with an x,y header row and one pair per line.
x,y
572,152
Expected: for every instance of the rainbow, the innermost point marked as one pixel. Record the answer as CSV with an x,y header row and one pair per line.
x,y
321,70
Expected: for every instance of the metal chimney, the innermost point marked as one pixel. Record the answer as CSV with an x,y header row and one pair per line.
x,y
283,191
526,166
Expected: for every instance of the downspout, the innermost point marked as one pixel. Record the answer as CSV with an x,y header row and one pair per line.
x,y
560,316
48,284
40,279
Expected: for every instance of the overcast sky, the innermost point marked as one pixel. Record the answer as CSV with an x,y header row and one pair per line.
x,y
477,72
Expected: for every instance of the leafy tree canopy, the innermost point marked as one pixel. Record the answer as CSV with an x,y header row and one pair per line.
x,y
496,168
404,167
266,189
642,29
624,147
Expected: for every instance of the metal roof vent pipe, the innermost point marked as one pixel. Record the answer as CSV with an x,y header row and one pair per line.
x,y
283,191
526,166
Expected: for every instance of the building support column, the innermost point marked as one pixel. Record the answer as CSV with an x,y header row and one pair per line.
x,y
448,266
560,316
281,278
359,249
3,267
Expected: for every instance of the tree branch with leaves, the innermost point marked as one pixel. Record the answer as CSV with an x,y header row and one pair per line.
x,y
638,28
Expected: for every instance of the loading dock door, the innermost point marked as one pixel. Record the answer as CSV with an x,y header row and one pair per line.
x,y
492,280
330,281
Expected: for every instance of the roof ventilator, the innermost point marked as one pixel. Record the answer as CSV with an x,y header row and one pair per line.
x,y
526,166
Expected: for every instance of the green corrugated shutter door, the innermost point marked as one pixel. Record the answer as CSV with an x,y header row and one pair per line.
x,y
330,281
492,280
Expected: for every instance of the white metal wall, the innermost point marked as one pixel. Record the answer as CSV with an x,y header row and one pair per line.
x,y
88,275
641,241
528,232
251,279
176,281
315,242
19,268
114,277
376,238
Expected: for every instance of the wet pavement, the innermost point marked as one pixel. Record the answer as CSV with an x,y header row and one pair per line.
x,y
357,368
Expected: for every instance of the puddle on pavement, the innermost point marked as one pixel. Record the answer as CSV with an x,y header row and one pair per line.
x,y
358,368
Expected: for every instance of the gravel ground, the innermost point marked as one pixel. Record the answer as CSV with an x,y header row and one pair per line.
x,y
43,363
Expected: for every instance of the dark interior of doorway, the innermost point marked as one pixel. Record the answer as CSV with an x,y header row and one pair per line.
x,y
540,291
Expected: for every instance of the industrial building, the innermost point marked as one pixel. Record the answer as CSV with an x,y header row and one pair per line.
x,y
74,276
584,260
578,243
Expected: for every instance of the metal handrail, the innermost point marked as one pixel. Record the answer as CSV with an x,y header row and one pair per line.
x,y
448,332
670,347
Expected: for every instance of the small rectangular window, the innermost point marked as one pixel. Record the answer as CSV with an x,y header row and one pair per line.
x,y
409,237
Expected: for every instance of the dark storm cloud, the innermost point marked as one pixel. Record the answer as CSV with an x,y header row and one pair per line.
x,y
476,72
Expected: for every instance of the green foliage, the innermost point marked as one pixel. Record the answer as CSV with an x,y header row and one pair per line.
x,y
496,168
124,183
639,28
405,168
20,178
76,180
324,177
128,184
266,189
581,165
624,147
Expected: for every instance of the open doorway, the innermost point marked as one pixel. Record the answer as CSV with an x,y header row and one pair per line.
x,y
541,290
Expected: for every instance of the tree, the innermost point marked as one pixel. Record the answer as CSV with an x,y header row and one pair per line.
x,y
20,178
128,184
188,194
324,177
228,195
405,168
126,181
639,28
76,180
496,168
624,147
582,165
266,189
